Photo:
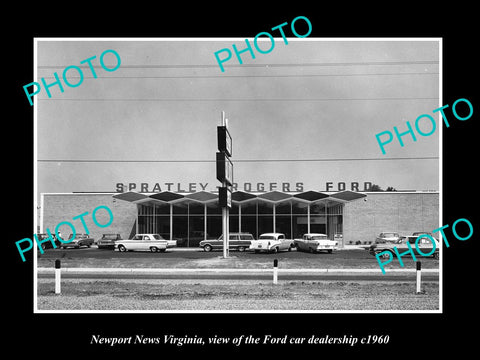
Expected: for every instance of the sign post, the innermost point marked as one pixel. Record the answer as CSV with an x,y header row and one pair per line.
x,y
225,176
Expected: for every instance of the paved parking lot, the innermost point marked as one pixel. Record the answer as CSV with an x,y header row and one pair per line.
x,y
195,258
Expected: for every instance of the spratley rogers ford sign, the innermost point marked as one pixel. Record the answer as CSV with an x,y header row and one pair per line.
x,y
246,186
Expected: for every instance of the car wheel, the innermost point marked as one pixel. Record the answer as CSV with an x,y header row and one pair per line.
x,y
163,250
385,254
122,248
257,251
330,251
241,249
207,248
311,250
275,250
153,249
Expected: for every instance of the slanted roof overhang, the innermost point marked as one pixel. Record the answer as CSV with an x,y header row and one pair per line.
x,y
311,196
166,196
274,197
240,197
346,196
202,197
132,196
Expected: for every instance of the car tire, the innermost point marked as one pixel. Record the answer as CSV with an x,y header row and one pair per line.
x,y
163,250
122,248
153,249
207,248
330,251
311,250
385,254
275,250
241,248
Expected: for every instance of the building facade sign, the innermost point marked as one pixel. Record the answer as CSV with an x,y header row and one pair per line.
x,y
252,187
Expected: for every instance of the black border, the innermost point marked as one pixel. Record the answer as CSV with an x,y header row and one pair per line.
x,y
410,334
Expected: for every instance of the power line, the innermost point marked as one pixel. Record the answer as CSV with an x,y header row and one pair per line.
x,y
183,66
254,100
248,76
236,161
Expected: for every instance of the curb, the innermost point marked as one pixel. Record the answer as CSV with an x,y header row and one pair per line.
x,y
44,270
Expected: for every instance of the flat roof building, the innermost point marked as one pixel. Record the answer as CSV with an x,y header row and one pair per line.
x,y
349,217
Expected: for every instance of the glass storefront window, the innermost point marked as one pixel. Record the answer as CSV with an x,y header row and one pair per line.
x,y
299,208
265,208
317,208
249,208
283,208
189,226
196,208
162,209
180,209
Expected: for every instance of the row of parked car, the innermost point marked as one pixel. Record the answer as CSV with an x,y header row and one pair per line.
x,y
386,242
272,242
268,242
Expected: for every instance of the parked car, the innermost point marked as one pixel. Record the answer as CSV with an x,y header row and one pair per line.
x,y
48,244
315,242
79,240
237,241
143,242
272,242
424,244
170,242
387,237
418,233
107,241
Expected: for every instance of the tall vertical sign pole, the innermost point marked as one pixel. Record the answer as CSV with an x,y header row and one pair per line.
x,y
226,236
225,176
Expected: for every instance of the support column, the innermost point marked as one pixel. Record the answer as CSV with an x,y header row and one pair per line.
x,y
136,224
274,218
239,218
326,220
171,221
205,222
308,218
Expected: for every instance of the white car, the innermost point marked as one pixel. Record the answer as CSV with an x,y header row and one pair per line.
x,y
315,242
271,242
143,242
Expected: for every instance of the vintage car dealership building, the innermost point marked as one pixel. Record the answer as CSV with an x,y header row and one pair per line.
x,y
349,216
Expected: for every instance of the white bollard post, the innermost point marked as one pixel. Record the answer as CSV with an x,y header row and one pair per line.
x,y
419,277
275,271
58,273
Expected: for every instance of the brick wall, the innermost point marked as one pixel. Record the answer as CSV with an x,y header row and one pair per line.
x,y
63,207
389,211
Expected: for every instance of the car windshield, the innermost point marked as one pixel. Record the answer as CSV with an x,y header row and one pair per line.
x,y
78,236
267,237
389,235
319,237
158,237
109,237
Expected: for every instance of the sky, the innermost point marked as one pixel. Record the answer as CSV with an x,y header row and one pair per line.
x,y
308,112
